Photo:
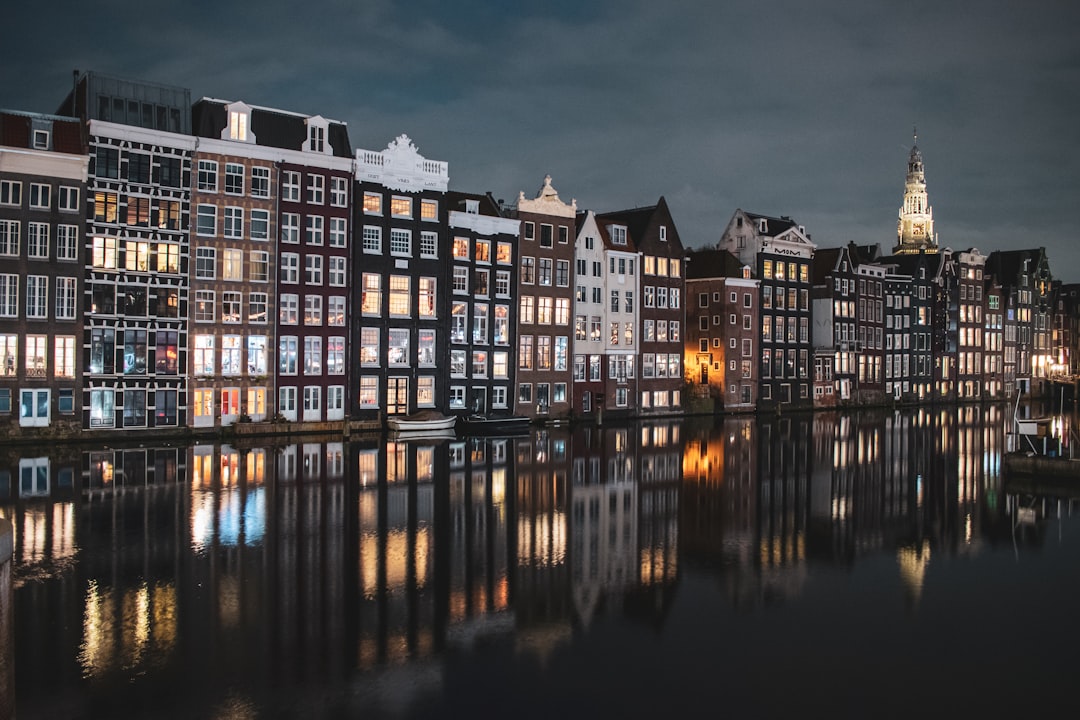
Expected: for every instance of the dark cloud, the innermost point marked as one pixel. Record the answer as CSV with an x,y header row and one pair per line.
x,y
794,108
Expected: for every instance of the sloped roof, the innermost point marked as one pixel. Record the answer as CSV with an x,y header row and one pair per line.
x,y
1006,265
711,263
272,128
455,200
773,225
825,262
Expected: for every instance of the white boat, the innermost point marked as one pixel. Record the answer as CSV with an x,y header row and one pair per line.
x,y
425,420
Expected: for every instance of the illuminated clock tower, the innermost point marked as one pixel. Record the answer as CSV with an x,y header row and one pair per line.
x,y
915,227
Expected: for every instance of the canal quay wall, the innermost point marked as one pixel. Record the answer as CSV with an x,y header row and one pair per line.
x,y
73,433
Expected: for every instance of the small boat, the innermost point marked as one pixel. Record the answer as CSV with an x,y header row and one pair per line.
x,y
422,435
425,420
477,424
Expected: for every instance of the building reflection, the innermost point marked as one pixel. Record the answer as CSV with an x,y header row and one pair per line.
x,y
280,565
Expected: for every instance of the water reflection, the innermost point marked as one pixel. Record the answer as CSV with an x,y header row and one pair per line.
x,y
323,566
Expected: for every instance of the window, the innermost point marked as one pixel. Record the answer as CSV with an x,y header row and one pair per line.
x,y
313,307
205,263
528,270
290,268
316,189
234,223
335,310
399,296
37,240
9,353
425,303
371,298
545,235
65,298
260,224
234,179
618,234
313,270
461,280
290,186
400,206
9,237
429,210
372,203
67,241
230,307
369,346
287,355
339,196
204,305
260,182
338,230
206,220
40,196
425,350
369,392
372,239
398,347
336,271
335,356
68,199
207,176
313,230
457,322
429,245
400,242
289,309
460,248
37,290
230,355
10,192
544,276
528,230
135,352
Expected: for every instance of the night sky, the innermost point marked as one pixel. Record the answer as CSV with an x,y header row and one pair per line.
x,y
794,108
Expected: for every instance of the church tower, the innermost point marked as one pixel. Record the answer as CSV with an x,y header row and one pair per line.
x,y
915,227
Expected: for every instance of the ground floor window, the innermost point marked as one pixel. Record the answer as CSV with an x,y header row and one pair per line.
x,y
457,397
230,404
525,393
425,391
203,407
134,408
287,403
256,403
335,402
312,403
621,397
498,396
165,407
560,392
369,392
101,408
34,408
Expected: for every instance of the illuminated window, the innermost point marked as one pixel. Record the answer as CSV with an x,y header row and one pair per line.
x,y
399,296
373,204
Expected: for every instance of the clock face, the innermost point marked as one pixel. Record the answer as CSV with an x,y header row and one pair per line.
x,y
918,229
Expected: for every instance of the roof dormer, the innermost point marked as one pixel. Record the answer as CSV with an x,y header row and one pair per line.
x,y
317,129
238,123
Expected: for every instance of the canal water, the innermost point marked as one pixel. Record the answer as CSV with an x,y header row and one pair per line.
x,y
845,565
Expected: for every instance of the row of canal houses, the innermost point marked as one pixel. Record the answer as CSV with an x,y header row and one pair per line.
x,y
171,264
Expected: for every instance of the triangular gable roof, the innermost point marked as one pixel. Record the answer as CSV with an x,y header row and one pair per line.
x,y
710,263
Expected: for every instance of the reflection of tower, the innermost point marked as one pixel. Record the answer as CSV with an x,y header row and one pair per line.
x,y
915,226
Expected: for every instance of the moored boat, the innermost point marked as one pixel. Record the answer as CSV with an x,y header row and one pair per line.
x,y
425,420
477,424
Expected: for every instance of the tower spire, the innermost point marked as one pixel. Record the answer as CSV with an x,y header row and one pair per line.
x,y
915,225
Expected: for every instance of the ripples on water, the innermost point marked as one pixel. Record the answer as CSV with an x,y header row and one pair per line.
x,y
669,567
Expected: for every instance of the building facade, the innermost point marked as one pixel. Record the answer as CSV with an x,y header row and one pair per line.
x,y
42,205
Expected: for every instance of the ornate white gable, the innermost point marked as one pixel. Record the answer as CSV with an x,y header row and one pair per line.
x,y
401,167
547,202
